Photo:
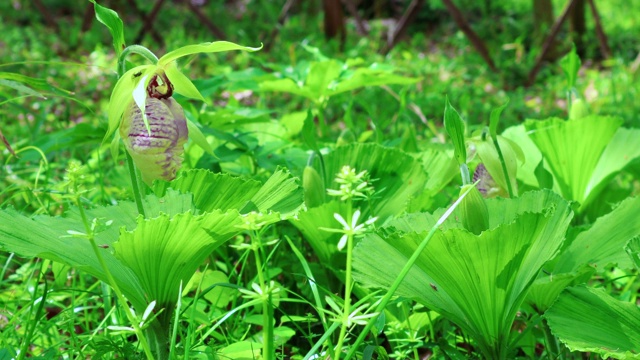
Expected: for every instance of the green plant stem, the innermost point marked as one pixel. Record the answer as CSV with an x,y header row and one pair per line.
x,y
267,324
134,49
134,322
464,173
403,273
348,285
135,185
504,167
26,341
553,350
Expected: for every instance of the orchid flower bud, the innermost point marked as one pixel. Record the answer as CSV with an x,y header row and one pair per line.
x,y
157,152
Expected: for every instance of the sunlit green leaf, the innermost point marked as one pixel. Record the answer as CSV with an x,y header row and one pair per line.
x,y
590,320
455,128
181,84
210,47
572,149
603,243
112,21
477,281
570,66
164,252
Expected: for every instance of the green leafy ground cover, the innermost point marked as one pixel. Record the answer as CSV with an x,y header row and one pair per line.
x,y
327,204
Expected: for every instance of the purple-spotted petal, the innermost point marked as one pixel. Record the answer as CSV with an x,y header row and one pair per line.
x,y
158,152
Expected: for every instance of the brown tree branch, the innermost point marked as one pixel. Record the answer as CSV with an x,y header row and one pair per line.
x,y
404,22
602,37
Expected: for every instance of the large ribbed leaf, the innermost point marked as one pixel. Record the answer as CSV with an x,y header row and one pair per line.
x,y
590,320
162,252
604,242
280,193
573,149
48,237
477,281
397,175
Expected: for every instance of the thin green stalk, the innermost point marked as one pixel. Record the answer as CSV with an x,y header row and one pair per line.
x,y
134,322
504,167
553,350
267,324
134,49
26,341
135,185
325,337
403,273
348,285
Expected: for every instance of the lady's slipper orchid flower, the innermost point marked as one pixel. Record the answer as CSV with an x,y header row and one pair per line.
x,y
152,124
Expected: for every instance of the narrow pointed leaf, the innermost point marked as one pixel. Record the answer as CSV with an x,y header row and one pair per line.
x,y
181,84
210,47
570,66
590,320
494,119
112,21
198,137
455,128
122,95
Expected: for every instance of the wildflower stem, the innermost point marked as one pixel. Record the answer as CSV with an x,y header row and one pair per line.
x,y
91,237
504,167
134,49
267,325
348,285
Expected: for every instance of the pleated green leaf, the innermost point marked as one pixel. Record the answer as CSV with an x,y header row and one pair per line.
x,y
48,237
477,281
572,149
164,251
590,320
604,242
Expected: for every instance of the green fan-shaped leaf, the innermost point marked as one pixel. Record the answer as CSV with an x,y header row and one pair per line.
x,y
212,191
590,320
545,290
164,251
477,281
281,193
397,176
604,242
572,149
48,237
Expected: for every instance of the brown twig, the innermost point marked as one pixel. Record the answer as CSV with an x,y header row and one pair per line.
x,y
281,19
546,45
353,11
475,40
404,22
46,14
602,37
147,24
154,33
205,20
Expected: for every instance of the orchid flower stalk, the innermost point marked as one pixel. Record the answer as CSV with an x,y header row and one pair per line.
x,y
151,123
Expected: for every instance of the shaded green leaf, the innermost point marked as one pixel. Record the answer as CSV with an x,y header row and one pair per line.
x,y
112,21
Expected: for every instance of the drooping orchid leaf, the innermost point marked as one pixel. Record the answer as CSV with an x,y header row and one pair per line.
x,y
209,47
477,281
590,320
